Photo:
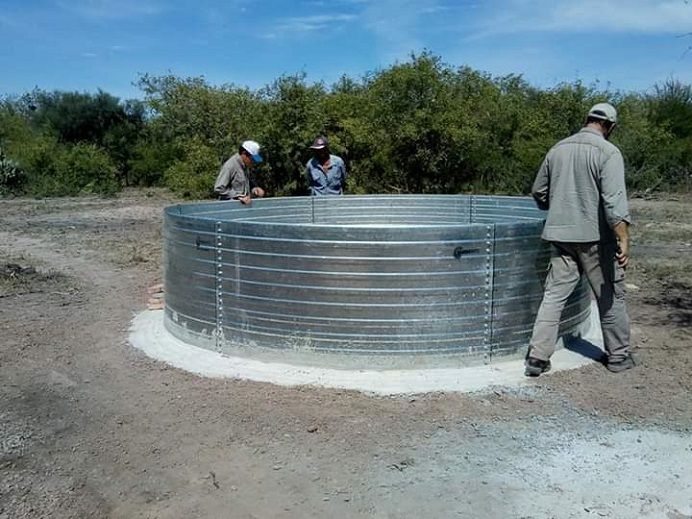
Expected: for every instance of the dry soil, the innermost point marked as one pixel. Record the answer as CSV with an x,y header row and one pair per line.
x,y
90,427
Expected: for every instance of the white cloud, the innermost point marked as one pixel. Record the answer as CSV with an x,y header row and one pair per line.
x,y
434,9
302,24
397,25
400,25
637,16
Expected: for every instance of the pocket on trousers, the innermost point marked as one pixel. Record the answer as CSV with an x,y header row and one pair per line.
x,y
619,282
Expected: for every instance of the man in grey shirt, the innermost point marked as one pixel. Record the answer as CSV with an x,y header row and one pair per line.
x,y
582,185
235,181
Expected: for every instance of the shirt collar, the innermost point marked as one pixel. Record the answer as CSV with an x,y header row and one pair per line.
x,y
317,163
591,130
240,161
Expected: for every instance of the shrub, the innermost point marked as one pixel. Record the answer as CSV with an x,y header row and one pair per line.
x,y
193,176
86,168
11,175
53,169
417,126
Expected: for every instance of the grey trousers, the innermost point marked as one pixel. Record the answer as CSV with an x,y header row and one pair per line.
x,y
607,279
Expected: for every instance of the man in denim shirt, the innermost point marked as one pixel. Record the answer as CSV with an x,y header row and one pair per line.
x,y
326,173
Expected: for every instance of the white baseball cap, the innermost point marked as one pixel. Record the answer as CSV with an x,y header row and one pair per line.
x,y
253,149
604,111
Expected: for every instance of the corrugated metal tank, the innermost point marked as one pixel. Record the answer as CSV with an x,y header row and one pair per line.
x,y
360,281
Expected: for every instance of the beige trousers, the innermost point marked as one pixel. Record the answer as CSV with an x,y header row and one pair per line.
x,y
607,279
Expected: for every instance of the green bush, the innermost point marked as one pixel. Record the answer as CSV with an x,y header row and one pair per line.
x,y
86,168
38,157
193,176
53,169
420,126
12,177
150,158
294,117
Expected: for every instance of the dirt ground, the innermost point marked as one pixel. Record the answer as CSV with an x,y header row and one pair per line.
x,y
90,427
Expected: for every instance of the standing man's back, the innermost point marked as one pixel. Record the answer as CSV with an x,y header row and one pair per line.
x,y
582,185
586,188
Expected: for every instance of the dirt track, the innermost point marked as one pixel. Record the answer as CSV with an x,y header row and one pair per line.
x,y
89,427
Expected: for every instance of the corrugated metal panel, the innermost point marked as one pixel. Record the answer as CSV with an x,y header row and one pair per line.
x,y
366,276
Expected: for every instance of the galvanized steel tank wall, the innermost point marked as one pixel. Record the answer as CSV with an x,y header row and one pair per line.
x,y
382,280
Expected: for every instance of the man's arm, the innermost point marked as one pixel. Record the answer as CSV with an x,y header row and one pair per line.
x,y
222,186
230,184
309,179
613,190
541,186
615,207
342,166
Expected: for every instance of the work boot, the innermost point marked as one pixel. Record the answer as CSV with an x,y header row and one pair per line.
x,y
616,366
535,367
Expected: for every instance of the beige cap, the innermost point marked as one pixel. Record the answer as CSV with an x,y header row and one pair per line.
x,y
604,111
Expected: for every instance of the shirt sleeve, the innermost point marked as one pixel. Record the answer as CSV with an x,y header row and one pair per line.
x,y
229,184
223,180
316,178
541,186
613,190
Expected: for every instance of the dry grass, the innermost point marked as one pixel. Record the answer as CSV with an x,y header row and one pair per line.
x,y
21,274
661,238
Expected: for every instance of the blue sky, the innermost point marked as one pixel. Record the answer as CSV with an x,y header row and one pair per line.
x,y
89,44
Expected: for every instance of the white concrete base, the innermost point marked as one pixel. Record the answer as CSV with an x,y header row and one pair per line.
x,y
149,335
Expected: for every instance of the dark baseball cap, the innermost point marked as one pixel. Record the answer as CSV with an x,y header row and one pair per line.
x,y
319,143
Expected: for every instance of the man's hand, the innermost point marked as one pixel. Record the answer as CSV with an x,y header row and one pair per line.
x,y
623,254
623,236
258,192
245,200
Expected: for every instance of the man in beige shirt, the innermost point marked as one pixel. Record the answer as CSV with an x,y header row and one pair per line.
x,y
581,184
235,181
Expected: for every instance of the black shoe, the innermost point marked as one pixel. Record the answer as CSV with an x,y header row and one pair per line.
x,y
535,367
622,364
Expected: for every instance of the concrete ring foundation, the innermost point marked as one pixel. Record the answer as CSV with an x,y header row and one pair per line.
x,y
149,335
